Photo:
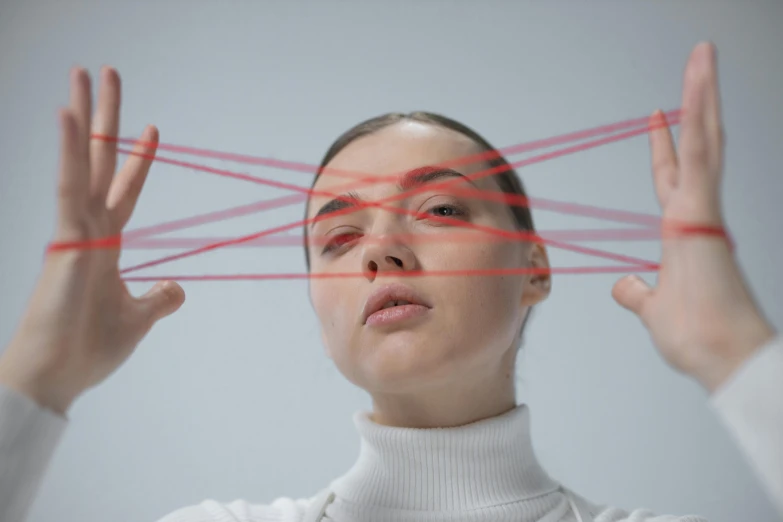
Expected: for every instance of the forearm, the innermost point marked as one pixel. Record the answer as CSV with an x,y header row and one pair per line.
x,y
750,404
29,434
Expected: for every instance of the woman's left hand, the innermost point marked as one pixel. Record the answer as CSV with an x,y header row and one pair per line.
x,y
701,314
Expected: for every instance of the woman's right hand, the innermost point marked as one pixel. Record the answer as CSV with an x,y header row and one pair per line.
x,y
82,323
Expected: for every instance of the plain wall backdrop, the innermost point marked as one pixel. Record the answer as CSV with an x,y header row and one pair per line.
x,y
233,397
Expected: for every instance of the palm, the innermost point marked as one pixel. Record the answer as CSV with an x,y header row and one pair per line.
x,y
82,321
701,309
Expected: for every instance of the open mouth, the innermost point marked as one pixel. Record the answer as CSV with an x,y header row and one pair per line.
x,y
393,302
399,302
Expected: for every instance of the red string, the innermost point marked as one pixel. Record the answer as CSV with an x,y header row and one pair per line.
x,y
633,264
613,234
402,273
331,171
433,186
287,200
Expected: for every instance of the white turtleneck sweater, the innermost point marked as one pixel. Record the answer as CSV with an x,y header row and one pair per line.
x,y
484,471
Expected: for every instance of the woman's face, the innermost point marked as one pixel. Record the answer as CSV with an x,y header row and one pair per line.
x,y
463,323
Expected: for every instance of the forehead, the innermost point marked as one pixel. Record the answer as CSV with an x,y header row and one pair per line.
x,y
395,149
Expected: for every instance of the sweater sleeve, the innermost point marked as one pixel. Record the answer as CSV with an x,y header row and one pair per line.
x,y
281,509
750,404
29,434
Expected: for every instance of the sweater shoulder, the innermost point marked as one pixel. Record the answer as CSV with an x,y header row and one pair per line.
x,y
604,513
286,509
613,514
281,509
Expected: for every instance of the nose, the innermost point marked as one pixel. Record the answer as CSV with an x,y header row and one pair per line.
x,y
385,254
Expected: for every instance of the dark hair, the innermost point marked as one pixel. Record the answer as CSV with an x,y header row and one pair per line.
x,y
507,178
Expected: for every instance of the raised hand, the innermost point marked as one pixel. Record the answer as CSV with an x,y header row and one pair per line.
x,y
701,314
82,322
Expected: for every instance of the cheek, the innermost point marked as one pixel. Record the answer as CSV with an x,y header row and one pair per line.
x,y
483,253
497,297
338,308
490,304
326,294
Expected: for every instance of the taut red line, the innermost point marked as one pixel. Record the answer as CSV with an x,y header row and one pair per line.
x,y
652,223
382,204
287,200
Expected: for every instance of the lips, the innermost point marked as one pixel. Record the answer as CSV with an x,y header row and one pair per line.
x,y
389,297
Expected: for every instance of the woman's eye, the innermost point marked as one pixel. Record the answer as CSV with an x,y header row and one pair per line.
x,y
447,211
339,240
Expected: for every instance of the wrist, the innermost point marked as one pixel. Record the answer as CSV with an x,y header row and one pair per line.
x,y
728,356
46,391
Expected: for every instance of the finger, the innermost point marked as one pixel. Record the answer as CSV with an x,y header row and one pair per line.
x,y
73,181
81,107
694,144
712,113
103,148
126,187
632,293
664,157
162,300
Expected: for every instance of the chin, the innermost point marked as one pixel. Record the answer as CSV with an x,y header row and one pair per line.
x,y
404,360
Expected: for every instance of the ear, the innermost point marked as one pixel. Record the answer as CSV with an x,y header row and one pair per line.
x,y
538,285
326,344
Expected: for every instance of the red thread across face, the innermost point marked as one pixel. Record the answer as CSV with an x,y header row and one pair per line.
x,y
650,227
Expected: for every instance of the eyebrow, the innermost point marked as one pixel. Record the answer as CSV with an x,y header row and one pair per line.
x,y
408,181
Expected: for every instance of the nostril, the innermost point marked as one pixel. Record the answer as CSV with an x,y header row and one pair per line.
x,y
372,266
395,260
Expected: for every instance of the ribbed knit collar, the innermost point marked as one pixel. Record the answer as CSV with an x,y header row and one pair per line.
x,y
487,463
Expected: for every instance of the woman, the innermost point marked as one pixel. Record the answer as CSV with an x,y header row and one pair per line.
x,y
445,439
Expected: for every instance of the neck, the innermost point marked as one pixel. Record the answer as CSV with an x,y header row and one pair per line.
x,y
462,400
487,468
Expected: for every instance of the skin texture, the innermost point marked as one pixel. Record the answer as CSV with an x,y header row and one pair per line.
x,y
456,364
425,372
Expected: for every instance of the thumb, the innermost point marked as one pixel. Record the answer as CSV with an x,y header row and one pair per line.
x,y
163,299
631,292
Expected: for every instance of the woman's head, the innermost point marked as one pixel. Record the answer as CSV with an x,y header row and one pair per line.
x,y
470,328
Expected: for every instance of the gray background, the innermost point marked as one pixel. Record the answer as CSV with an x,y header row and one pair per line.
x,y
233,397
